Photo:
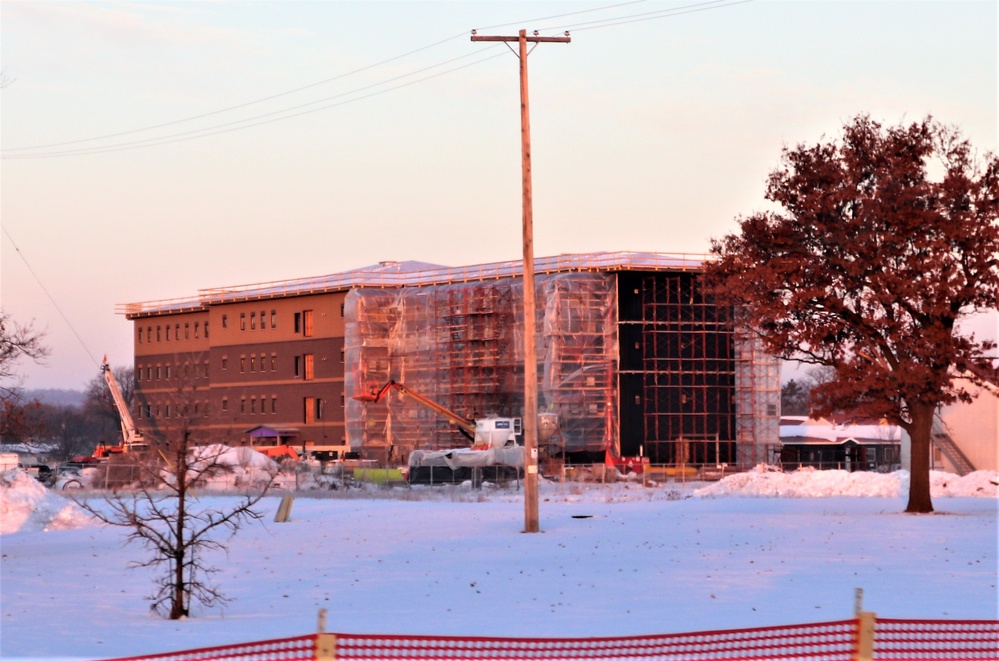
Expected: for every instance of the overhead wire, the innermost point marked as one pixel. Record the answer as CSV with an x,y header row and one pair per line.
x,y
282,114
49,295
249,122
240,106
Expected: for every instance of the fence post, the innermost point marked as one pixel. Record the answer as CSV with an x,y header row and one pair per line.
x,y
325,647
865,636
284,509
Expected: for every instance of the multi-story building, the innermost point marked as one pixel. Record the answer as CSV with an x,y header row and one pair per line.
x,y
633,358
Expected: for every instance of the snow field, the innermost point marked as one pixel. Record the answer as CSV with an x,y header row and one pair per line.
x,y
617,559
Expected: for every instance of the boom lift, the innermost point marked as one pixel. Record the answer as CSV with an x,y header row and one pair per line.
x,y
494,454
131,437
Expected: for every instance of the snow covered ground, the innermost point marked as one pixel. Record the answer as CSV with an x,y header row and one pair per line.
x,y
756,549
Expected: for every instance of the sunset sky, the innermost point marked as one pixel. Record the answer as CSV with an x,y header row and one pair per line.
x,y
151,149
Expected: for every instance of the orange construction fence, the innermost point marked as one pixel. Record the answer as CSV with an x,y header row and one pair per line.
x,y
863,638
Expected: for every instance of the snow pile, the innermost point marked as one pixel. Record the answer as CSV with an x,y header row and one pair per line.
x,y
26,505
225,455
978,483
812,483
242,467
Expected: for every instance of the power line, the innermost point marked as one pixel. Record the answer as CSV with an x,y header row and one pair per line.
x,y
240,105
651,16
242,124
20,153
50,297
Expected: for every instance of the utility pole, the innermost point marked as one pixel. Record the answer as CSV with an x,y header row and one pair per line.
x,y
530,332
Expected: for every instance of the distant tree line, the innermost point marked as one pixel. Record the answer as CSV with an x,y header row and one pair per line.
x,y
63,431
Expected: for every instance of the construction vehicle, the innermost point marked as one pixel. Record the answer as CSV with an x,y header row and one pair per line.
x,y
277,452
494,454
131,437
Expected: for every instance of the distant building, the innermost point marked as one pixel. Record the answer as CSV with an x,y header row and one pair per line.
x,y
850,445
633,358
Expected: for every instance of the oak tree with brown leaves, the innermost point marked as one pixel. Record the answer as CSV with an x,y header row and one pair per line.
x,y
883,241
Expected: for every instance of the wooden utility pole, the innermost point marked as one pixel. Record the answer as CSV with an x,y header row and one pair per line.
x,y
530,332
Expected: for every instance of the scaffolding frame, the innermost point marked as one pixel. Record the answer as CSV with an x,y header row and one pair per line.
x,y
612,347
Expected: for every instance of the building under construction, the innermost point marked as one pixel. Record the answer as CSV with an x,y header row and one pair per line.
x,y
634,359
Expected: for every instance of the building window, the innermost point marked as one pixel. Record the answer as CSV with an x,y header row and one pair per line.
x,y
140,334
310,410
242,321
187,331
168,372
206,329
307,325
149,333
342,354
242,364
263,320
341,309
159,372
273,318
225,403
298,366
253,321
225,362
298,322
253,362
167,412
225,321
149,374
273,403
176,334
273,362
310,366
197,329
167,333
242,404
253,405
204,369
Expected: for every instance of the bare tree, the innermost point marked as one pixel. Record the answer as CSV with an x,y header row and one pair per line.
x,y
164,514
17,341
97,400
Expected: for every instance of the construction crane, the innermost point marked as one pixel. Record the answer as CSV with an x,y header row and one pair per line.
x,y
494,454
490,431
131,437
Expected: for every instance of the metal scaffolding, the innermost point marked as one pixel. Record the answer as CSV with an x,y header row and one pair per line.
x,y
634,363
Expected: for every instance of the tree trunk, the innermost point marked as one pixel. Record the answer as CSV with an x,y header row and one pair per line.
x,y
177,608
920,434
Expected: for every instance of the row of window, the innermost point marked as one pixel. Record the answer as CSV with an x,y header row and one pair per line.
x,y
305,364
156,372
149,411
305,367
171,332
252,320
313,408
303,324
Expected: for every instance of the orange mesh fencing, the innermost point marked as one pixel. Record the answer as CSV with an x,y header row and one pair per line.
x,y
895,640
911,640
